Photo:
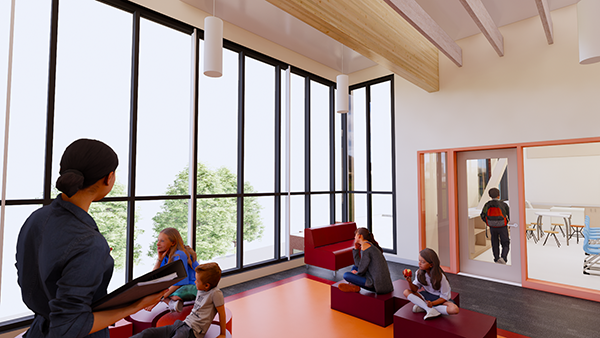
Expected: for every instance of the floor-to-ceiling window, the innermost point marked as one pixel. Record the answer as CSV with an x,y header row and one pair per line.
x,y
370,126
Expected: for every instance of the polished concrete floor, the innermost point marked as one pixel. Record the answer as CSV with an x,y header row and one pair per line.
x,y
527,312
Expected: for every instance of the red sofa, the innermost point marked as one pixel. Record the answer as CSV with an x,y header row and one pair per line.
x,y
330,247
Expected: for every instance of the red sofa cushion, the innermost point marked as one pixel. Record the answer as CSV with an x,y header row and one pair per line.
x,y
316,237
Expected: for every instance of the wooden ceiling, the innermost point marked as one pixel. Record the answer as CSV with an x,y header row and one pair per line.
x,y
399,34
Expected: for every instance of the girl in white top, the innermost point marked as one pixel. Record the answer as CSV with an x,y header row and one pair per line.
x,y
435,297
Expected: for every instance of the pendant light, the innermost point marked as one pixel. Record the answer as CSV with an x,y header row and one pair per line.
x,y
588,25
342,89
213,45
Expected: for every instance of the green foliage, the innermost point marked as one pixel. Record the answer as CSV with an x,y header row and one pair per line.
x,y
111,218
216,217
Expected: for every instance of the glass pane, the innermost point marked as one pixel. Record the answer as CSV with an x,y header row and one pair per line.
x,y
381,137
93,64
573,192
111,218
4,37
319,210
435,206
482,175
297,132
259,234
29,102
319,137
12,305
163,108
359,210
216,231
217,120
338,208
296,224
383,220
151,218
259,154
357,141
338,152
282,226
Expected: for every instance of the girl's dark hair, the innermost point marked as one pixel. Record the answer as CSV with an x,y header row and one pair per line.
x,y
436,271
368,236
83,163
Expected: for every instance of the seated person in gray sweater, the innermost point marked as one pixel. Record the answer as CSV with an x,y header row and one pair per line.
x,y
370,270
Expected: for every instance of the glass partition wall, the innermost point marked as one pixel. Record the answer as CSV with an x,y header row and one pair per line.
x,y
560,185
561,190
434,204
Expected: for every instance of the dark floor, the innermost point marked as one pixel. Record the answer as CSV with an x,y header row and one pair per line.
x,y
528,312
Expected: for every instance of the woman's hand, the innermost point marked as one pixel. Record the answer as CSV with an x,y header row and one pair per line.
x,y
354,272
148,302
429,304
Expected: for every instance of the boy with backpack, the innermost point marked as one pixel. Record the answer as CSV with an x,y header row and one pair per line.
x,y
495,215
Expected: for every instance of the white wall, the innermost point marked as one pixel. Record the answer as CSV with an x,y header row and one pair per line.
x,y
535,92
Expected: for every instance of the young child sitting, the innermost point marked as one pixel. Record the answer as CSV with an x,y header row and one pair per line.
x,y
435,297
209,301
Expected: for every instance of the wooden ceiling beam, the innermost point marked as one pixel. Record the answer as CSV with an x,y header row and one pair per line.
x,y
544,10
422,22
373,29
484,21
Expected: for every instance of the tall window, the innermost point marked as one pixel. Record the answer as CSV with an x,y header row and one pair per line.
x,y
371,160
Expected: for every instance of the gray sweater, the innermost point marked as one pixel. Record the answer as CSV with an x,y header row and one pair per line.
x,y
373,266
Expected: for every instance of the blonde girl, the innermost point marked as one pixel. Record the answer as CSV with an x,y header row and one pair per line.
x,y
435,296
170,248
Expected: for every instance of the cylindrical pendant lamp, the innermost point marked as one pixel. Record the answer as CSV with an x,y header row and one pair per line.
x,y
588,22
342,93
213,46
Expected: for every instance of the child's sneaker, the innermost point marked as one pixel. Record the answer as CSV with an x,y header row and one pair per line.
x,y
432,314
175,305
417,308
345,287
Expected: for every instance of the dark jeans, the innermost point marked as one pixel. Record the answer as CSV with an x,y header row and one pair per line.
x,y
177,330
356,279
499,236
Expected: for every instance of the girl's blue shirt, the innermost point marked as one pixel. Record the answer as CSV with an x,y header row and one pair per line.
x,y
191,274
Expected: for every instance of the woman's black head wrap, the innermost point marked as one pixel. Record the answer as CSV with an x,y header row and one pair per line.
x,y
83,163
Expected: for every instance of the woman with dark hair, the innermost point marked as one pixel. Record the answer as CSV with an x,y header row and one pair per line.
x,y
435,297
63,262
370,270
